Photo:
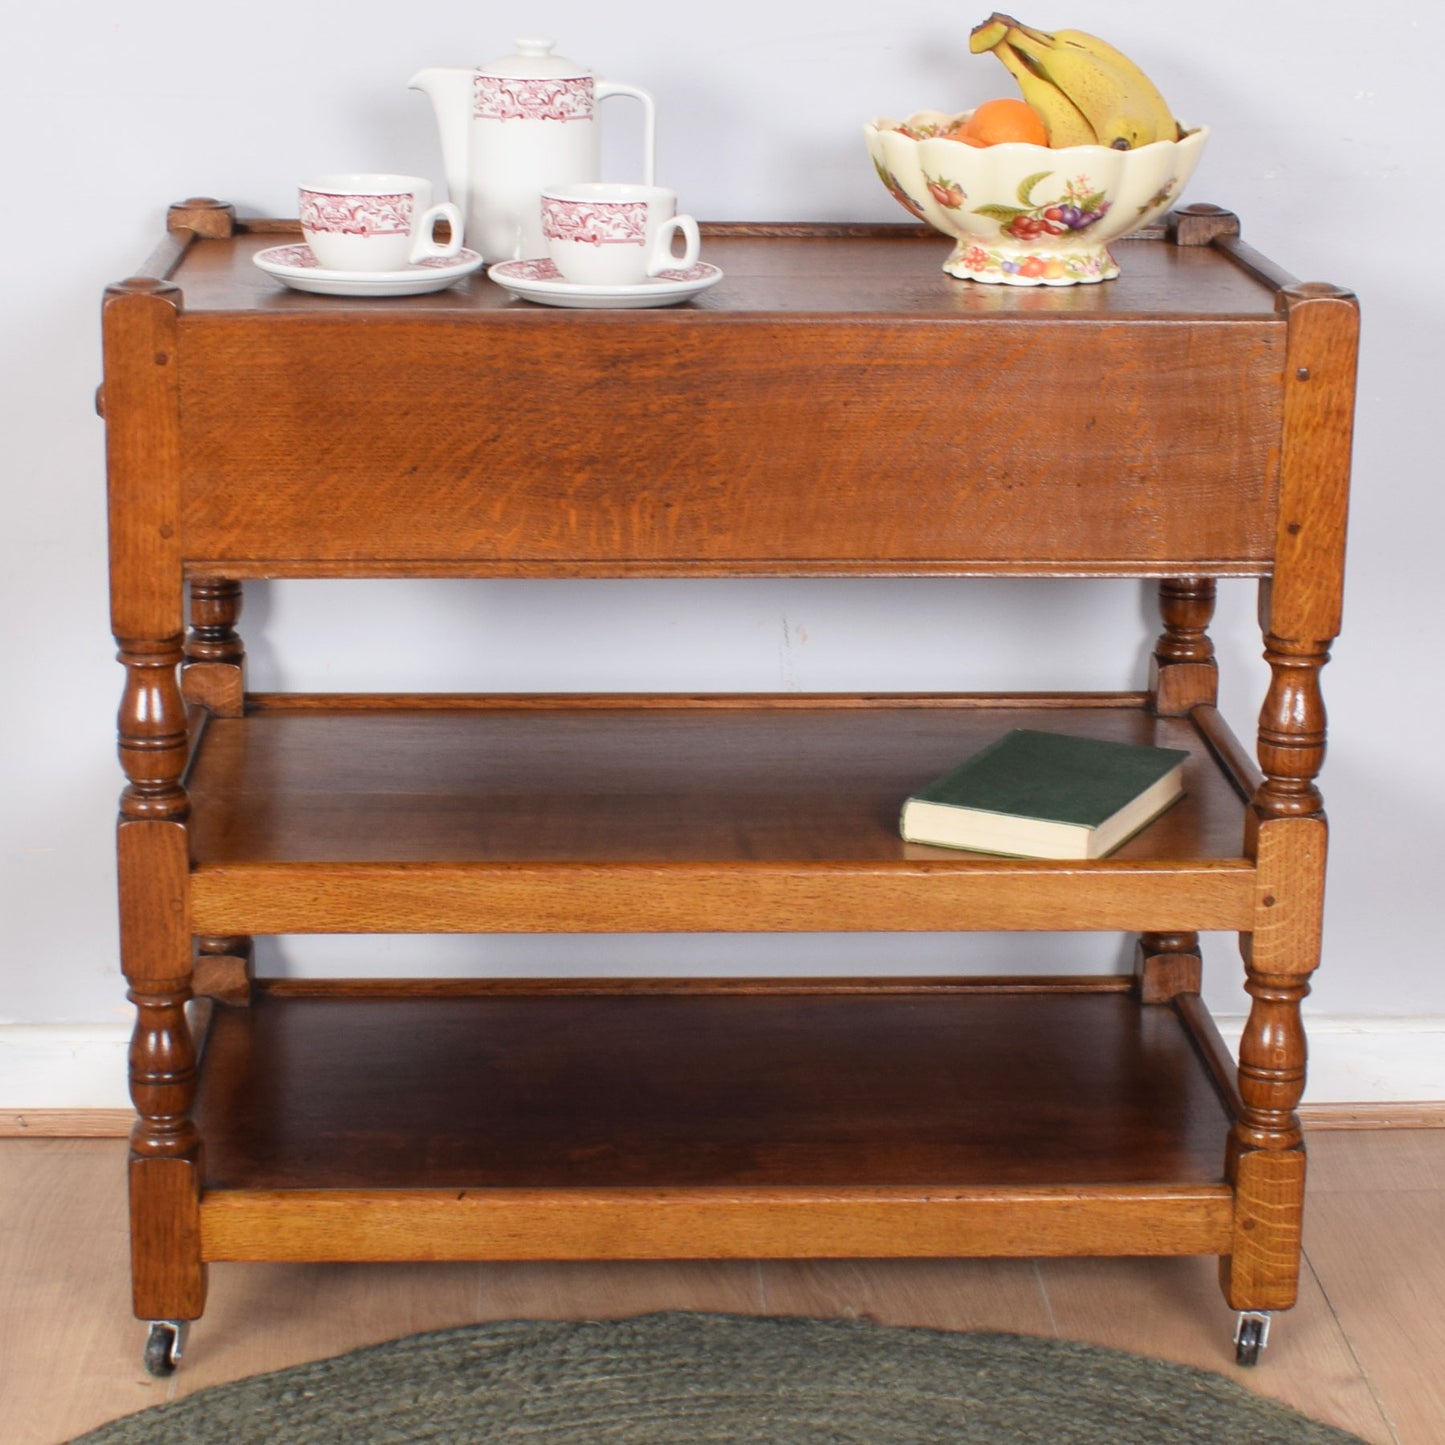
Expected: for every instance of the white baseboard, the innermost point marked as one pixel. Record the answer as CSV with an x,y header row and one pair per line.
x,y
1368,1060
63,1066
1353,1060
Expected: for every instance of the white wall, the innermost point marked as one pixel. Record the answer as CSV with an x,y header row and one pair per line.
x,y
1324,141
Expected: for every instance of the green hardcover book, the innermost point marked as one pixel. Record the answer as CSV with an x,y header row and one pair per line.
x,y
1046,795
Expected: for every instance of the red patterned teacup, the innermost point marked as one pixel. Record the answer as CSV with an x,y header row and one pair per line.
x,y
610,233
365,221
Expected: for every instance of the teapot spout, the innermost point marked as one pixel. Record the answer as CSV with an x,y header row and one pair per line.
x,y
450,91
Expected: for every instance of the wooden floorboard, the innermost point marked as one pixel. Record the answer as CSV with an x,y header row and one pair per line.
x,y
948,1294
614,1289
69,1350
1361,1350
264,1317
1174,1309
1375,1234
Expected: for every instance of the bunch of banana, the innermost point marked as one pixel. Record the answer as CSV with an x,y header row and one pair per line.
x,y
1085,91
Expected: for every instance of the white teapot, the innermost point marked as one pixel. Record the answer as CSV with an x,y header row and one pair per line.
x,y
514,126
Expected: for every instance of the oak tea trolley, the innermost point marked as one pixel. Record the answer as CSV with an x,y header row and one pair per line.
x,y
837,407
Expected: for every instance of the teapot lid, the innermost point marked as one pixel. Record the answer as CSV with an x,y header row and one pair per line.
x,y
533,61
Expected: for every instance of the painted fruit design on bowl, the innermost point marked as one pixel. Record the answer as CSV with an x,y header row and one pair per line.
x,y
1080,206
895,189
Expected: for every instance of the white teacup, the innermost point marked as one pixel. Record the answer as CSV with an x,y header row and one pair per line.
x,y
368,221
612,233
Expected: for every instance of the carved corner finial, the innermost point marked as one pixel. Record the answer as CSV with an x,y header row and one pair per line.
x,y
118,293
202,216
1201,224
1302,291
143,286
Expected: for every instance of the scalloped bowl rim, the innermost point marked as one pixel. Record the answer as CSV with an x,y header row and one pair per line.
x,y
885,124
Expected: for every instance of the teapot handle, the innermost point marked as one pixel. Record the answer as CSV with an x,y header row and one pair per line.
x,y
606,88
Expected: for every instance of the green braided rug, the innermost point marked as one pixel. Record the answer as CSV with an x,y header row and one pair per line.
x,y
697,1379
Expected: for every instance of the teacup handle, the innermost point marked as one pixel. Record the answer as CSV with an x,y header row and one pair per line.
x,y
605,88
426,243
662,258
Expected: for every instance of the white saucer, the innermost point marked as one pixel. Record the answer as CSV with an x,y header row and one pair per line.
x,y
298,267
541,281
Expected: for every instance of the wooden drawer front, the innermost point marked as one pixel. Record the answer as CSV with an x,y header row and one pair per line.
x,y
527,442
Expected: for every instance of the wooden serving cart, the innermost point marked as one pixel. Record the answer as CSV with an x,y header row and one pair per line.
x,y
837,406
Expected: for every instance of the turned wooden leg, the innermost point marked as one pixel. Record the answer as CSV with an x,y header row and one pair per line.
x,y
214,674
1287,836
1300,616
155,938
1183,673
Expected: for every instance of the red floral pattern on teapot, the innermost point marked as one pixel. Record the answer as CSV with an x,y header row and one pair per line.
x,y
500,97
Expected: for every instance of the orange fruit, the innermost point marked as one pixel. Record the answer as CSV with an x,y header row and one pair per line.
x,y
998,121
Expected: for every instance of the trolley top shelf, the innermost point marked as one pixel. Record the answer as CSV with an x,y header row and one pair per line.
x,y
789,269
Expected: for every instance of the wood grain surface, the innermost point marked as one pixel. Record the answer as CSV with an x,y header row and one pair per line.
x,y
603,780
777,1089
598,814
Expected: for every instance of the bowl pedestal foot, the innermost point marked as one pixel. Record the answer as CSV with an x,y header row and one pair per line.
x,y
1021,266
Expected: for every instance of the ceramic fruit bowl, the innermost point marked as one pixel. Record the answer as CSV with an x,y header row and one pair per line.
x,y
1027,215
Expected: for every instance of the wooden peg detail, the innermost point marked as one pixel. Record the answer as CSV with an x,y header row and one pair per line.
x,y
1200,224
1167,965
1184,672
214,675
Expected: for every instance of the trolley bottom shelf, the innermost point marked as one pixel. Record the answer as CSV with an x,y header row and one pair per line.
x,y
782,1118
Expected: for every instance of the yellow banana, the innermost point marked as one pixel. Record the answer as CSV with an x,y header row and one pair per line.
x,y
986,36
1063,120
1120,103
1142,96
